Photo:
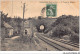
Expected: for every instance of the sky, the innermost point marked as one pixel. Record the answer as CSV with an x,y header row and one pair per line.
x,y
33,8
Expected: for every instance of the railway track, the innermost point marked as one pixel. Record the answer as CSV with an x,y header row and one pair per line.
x,y
69,43
59,46
66,42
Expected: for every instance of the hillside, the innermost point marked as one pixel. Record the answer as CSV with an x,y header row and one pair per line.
x,y
66,25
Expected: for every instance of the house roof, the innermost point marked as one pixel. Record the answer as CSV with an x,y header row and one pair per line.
x,y
6,25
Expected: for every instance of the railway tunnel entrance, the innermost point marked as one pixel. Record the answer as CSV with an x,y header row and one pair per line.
x,y
41,28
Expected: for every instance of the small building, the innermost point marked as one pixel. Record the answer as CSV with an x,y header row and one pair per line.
x,y
7,30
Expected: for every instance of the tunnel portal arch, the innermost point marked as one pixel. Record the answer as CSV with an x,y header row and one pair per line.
x,y
39,29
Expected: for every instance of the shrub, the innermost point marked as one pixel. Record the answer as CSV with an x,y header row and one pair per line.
x,y
61,30
75,37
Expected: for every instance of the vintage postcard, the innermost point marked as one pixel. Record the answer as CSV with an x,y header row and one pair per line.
x,y
39,25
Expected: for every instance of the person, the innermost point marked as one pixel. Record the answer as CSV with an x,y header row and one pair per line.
x,y
25,31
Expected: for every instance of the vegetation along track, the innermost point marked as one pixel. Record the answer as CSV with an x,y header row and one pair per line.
x,y
59,46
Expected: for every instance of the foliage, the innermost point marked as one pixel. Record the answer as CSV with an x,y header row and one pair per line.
x,y
66,25
61,30
16,23
75,37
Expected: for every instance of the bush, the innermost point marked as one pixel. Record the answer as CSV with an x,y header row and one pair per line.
x,y
75,28
75,37
61,30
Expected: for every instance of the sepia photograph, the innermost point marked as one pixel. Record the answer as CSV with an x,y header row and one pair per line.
x,y
39,25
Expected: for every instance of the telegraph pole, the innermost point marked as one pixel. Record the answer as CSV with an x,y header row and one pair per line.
x,y
23,16
23,12
12,8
